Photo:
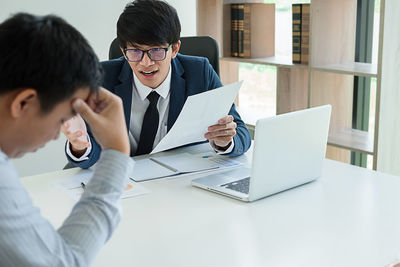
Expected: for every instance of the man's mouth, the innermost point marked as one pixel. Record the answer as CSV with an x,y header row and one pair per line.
x,y
149,73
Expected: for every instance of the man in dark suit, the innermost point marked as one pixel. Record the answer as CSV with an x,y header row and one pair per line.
x,y
154,81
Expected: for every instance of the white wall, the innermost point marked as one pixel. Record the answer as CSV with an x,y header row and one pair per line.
x,y
96,20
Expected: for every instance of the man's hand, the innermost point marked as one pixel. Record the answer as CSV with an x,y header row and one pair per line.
x,y
222,133
76,133
105,115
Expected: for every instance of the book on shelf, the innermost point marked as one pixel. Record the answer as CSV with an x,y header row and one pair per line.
x,y
251,26
300,33
296,33
246,31
234,30
240,29
305,33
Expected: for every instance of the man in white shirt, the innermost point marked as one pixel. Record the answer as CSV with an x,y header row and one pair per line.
x,y
154,81
48,72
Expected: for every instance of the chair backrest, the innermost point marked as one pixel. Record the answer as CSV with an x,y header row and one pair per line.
x,y
115,51
202,46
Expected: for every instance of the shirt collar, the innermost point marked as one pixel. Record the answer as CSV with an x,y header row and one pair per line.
x,y
162,89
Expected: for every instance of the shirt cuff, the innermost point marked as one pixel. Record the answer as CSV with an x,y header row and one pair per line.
x,y
222,152
84,156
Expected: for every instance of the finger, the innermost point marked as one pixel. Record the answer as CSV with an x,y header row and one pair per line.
x,y
222,141
217,127
84,110
99,101
70,136
80,144
76,135
226,119
222,133
64,128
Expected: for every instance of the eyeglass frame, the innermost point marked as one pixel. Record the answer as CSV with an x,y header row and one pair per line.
x,y
147,52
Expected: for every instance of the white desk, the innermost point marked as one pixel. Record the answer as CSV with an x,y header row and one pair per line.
x,y
349,217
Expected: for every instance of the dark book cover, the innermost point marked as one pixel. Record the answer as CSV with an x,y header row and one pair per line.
x,y
305,33
240,29
234,30
246,31
296,33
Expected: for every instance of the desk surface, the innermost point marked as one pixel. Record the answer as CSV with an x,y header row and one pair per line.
x,y
349,217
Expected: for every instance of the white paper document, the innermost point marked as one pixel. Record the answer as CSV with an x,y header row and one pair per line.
x,y
72,186
198,113
179,165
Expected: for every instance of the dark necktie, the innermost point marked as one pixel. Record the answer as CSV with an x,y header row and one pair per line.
x,y
149,126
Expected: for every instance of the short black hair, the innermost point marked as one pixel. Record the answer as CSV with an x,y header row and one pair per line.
x,y
47,54
148,22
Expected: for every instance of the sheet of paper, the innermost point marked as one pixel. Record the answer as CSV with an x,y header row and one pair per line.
x,y
72,186
178,165
146,169
185,162
199,112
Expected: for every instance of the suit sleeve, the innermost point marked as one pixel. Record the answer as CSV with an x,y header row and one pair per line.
x,y
93,156
242,138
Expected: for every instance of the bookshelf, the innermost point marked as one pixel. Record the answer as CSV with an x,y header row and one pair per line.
x,y
329,76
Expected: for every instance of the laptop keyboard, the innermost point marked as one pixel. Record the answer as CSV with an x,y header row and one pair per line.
x,y
239,185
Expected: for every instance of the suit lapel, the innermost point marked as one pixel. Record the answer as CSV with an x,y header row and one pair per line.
x,y
178,92
124,90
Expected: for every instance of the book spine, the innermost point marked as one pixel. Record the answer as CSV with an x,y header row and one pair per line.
x,y
305,33
234,30
247,31
296,33
240,29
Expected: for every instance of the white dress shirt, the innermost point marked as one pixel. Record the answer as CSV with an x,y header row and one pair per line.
x,y
139,107
28,239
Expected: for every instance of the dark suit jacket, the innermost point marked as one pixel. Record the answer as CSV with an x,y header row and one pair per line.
x,y
190,75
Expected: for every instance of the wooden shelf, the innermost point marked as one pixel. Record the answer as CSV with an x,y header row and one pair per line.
x,y
352,68
272,61
355,140
329,77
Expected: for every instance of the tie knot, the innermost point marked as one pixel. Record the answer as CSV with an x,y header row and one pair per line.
x,y
153,97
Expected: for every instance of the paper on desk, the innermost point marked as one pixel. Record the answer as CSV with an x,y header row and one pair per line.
x,y
72,186
146,169
198,113
176,165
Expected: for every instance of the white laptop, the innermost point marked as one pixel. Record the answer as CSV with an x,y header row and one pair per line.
x,y
289,150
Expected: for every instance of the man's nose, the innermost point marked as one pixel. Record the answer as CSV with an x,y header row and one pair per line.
x,y
146,61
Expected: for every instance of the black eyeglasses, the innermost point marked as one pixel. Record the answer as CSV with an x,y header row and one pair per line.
x,y
155,54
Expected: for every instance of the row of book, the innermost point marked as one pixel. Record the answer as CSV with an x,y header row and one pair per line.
x,y
241,36
301,33
240,30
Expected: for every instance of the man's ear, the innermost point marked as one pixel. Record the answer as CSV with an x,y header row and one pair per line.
x,y
122,51
23,101
175,49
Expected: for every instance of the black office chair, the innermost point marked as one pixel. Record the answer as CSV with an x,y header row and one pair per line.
x,y
202,46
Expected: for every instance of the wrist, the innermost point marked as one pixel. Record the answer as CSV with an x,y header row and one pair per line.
x,y
77,152
123,147
223,148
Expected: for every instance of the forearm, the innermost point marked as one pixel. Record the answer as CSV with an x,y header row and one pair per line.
x,y
28,239
96,215
242,139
